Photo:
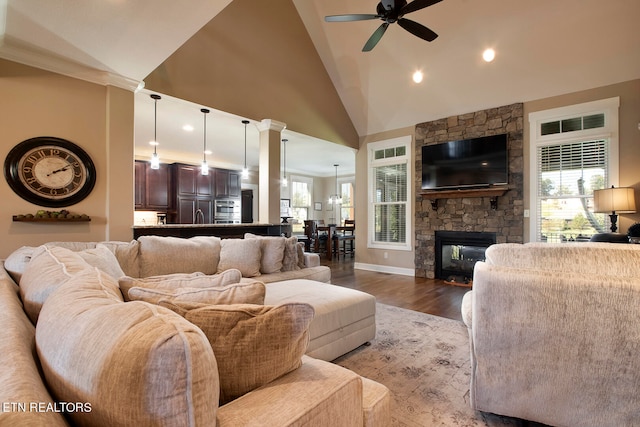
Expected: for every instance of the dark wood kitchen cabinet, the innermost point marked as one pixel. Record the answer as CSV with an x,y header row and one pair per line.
x,y
193,193
227,183
151,187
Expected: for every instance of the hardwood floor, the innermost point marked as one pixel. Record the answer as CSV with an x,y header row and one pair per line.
x,y
430,296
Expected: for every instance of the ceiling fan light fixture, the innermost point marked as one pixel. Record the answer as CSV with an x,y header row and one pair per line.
x,y
155,160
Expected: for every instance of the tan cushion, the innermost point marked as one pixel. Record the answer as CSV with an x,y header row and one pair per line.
x,y
272,248
301,258
17,261
290,259
135,363
241,254
238,293
48,269
179,280
102,258
253,344
167,255
127,254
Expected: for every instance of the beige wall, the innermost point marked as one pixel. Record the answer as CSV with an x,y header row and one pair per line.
x,y
366,257
97,118
629,138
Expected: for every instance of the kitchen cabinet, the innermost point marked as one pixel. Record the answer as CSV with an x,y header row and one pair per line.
x,y
151,187
227,183
193,192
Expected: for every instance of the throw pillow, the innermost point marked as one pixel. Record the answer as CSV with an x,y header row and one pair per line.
x,y
103,259
290,259
301,263
238,293
179,280
241,254
272,248
48,269
253,344
17,261
167,255
127,254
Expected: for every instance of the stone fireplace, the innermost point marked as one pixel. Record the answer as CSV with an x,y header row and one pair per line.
x,y
503,216
458,251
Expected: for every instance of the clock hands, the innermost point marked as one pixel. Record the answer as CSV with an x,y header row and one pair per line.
x,y
58,170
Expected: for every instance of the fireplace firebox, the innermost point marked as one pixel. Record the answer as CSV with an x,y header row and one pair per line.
x,y
458,251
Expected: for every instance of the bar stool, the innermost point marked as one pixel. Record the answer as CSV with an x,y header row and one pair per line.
x,y
346,235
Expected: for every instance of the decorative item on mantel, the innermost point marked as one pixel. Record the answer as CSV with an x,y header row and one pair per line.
x,y
492,192
51,216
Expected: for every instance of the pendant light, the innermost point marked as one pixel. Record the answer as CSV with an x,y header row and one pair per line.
x,y
155,161
204,168
284,170
336,198
245,171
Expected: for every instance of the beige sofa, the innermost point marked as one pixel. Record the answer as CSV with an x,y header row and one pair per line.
x,y
110,362
555,333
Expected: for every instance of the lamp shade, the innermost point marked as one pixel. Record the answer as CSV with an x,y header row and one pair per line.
x,y
618,200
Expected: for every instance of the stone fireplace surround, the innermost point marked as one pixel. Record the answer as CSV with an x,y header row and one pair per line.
x,y
470,213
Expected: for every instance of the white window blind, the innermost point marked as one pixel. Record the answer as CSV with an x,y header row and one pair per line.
x,y
567,175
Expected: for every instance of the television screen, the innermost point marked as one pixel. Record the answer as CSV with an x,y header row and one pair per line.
x,y
477,162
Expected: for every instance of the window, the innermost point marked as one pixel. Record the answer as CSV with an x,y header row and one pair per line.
x,y
574,151
301,190
389,190
347,209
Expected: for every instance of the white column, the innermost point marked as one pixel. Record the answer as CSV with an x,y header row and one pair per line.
x,y
269,171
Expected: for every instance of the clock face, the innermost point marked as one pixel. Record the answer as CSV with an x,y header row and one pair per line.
x,y
50,172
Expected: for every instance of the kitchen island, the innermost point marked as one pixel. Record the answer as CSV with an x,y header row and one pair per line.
x,y
225,231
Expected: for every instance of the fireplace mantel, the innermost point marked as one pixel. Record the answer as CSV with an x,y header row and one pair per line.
x,y
493,192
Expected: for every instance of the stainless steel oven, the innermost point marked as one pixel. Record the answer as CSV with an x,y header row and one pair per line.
x,y
227,211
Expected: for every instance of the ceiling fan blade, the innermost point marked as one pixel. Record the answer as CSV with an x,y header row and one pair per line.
x,y
375,37
417,30
348,18
417,5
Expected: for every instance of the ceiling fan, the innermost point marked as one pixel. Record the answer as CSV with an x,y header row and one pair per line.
x,y
391,11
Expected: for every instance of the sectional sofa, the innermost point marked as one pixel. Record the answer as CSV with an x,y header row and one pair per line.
x,y
555,333
116,333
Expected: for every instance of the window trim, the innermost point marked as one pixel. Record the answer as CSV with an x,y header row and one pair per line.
x,y
405,141
610,108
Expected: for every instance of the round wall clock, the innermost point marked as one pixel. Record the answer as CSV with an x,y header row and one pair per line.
x,y
49,171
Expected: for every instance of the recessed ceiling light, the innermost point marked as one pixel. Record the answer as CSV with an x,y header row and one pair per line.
x,y
489,55
187,128
418,76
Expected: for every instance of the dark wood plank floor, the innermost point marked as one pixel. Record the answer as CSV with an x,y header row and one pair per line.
x,y
414,293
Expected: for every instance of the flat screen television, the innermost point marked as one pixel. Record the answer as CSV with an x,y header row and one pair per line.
x,y
468,163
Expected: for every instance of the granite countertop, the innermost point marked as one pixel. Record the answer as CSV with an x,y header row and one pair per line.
x,y
251,224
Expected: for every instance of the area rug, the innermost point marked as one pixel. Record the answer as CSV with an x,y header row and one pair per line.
x,y
424,361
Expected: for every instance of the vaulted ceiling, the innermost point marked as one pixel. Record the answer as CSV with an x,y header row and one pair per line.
x,y
543,48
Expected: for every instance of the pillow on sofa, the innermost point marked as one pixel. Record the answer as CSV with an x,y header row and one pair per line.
x,y
241,254
17,261
253,344
127,254
272,248
166,255
238,293
179,280
135,363
290,259
48,269
103,259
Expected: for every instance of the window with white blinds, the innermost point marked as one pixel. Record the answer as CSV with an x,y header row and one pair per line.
x,y
574,151
389,186
567,175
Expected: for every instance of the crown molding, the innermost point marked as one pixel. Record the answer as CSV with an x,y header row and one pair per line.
x,y
59,65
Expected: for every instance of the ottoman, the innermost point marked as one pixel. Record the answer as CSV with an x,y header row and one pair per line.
x,y
345,318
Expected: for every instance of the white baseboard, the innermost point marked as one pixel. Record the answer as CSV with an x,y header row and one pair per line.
x,y
384,269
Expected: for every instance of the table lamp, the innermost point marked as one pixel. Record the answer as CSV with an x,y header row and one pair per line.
x,y
614,201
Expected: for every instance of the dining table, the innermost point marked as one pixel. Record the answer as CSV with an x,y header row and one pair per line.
x,y
331,230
